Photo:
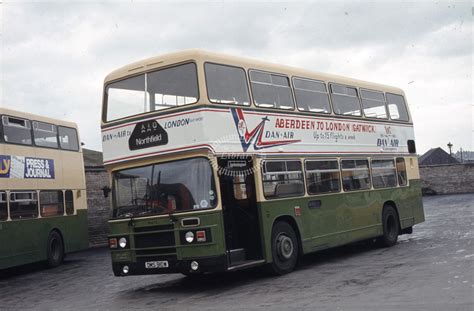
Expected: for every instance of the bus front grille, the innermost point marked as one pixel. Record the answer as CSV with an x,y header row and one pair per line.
x,y
151,252
153,228
158,239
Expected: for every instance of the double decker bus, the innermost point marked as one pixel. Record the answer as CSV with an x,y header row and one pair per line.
x,y
221,163
43,211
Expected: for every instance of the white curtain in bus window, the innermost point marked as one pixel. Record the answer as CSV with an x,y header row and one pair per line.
x,y
68,138
355,175
226,85
51,203
401,172
3,206
322,176
270,90
126,98
23,205
16,131
397,107
311,95
282,179
373,104
383,173
174,86
345,100
45,134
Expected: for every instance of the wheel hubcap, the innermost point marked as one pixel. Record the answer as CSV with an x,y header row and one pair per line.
x,y
284,247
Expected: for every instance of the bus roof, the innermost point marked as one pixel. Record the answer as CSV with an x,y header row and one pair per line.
x,y
206,56
35,117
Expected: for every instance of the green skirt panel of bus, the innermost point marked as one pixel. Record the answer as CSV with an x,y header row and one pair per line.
x,y
25,241
330,220
160,239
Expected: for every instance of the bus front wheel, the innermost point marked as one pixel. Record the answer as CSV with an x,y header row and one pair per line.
x,y
391,227
55,249
284,249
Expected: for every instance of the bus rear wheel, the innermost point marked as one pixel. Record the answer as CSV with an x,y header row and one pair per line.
x,y
284,249
55,249
391,227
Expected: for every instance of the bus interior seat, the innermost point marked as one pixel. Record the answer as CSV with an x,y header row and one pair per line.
x,y
288,189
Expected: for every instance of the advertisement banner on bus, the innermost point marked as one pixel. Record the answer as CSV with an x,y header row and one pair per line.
x,y
20,167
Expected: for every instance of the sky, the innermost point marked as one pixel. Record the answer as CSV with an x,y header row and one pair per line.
x,y
55,55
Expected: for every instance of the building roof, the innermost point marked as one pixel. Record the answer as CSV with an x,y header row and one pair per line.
x,y
436,156
92,158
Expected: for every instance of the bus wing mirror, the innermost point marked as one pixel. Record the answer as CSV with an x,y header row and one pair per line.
x,y
106,190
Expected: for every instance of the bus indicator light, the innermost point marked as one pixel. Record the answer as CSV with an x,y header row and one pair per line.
x,y
297,211
201,236
113,243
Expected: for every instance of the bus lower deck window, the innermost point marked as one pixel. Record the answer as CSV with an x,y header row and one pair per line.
x,y
401,172
3,206
282,178
69,198
322,176
355,174
51,203
383,173
23,205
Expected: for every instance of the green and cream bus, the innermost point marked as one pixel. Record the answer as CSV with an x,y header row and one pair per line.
x,y
220,163
43,211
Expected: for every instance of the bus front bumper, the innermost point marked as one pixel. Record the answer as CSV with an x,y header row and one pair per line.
x,y
148,265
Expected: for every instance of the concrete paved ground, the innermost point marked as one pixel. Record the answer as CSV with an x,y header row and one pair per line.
x,y
432,269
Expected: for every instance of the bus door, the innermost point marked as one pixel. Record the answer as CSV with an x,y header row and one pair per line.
x,y
239,206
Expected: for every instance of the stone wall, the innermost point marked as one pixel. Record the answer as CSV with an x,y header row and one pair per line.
x,y
447,178
98,206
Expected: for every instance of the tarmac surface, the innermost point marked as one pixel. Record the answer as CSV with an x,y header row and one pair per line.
x,y
432,269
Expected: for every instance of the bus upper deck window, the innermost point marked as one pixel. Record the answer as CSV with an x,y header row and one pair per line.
x,y
45,134
311,95
156,90
397,107
345,100
226,84
68,138
373,104
16,131
271,90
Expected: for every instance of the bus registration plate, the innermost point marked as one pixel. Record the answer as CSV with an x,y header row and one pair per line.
x,y
156,264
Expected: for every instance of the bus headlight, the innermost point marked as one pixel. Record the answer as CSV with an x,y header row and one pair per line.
x,y
189,236
123,242
194,265
125,269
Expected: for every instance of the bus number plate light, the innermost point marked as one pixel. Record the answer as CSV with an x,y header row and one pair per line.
x,y
201,236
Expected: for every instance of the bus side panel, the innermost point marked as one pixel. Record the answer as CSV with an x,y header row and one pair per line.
x,y
269,211
17,241
416,201
73,230
341,218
